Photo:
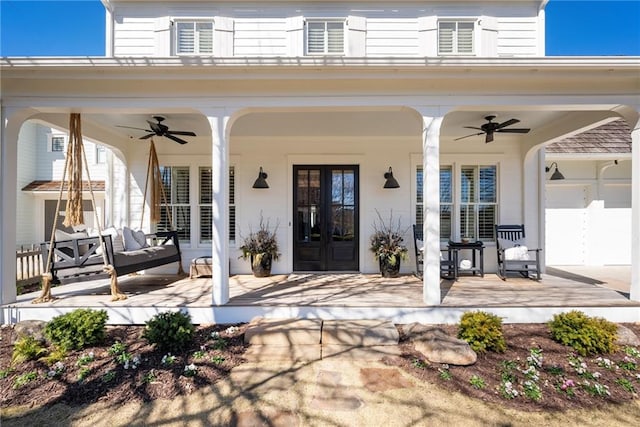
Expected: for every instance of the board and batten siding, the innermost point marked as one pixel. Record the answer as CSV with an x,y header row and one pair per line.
x,y
388,30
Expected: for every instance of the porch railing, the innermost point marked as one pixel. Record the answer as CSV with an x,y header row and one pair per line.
x,y
28,266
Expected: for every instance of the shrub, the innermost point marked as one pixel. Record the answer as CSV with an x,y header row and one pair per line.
x,y
77,329
586,335
483,331
171,331
27,348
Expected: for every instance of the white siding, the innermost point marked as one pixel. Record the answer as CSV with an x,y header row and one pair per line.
x,y
26,205
260,37
518,36
392,37
260,29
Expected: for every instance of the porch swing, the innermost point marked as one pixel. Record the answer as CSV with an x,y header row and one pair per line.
x,y
76,258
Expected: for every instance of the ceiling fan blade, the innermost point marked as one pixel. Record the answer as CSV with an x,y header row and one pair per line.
x,y
489,137
147,136
472,127
180,132
129,127
473,134
156,127
516,130
508,123
175,138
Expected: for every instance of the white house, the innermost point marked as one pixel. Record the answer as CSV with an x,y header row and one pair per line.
x,y
588,213
325,97
40,160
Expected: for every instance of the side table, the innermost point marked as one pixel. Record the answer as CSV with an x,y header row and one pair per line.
x,y
477,257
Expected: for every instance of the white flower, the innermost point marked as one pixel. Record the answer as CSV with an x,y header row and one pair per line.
x,y
215,334
231,330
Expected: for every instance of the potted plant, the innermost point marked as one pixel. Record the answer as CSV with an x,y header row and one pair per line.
x,y
387,246
261,247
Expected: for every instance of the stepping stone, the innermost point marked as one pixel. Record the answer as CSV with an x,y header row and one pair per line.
x,y
383,379
332,395
359,333
353,353
283,353
284,332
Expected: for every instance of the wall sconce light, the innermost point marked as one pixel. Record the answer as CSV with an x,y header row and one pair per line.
x,y
556,175
390,180
260,181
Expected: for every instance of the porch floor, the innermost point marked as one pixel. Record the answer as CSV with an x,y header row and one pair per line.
x,y
558,288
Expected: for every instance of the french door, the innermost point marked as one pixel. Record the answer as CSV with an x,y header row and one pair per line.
x,y
325,225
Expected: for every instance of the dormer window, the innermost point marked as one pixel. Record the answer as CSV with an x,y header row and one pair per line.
x,y
325,37
455,38
194,37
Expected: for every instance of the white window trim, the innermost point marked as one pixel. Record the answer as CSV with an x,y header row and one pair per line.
x,y
174,34
51,136
474,40
345,33
456,162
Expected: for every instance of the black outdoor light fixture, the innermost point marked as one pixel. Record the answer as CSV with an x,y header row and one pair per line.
x,y
556,175
390,180
261,180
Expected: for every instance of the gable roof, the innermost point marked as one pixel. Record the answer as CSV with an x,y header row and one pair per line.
x,y
612,137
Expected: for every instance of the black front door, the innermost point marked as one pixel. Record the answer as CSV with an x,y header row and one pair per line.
x,y
325,225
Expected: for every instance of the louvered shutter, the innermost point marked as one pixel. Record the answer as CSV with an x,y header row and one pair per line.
x,y
205,37
185,38
232,204
315,37
445,37
465,37
335,37
206,198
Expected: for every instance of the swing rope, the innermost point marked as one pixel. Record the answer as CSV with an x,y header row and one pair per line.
x,y
74,214
158,194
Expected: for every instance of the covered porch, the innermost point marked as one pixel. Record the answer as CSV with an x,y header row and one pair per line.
x,y
599,292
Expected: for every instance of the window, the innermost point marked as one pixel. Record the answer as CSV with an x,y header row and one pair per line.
x,y
455,38
101,154
476,206
206,197
57,143
175,180
478,202
325,37
232,204
194,38
446,200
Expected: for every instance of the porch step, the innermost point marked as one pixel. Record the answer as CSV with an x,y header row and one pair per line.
x,y
305,340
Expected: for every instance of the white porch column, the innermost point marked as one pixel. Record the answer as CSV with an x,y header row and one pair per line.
x,y
634,293
431,200
533,198
12,121
218,119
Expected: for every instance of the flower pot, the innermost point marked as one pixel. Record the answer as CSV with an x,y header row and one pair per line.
x,y
390,266
261,265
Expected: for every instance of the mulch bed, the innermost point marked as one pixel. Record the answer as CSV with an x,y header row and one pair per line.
x,y
520,338
109,381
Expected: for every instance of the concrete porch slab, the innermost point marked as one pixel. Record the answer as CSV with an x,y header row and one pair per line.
x,y
359,333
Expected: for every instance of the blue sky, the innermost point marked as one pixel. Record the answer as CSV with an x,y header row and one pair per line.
x,y
60,28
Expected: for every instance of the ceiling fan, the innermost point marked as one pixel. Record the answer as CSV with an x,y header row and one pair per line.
x,y
158,129
491,127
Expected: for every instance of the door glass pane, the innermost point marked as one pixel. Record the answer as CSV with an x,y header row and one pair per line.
x,y
314,187
349,188
348,223
304,224
336,187
337,223
303,188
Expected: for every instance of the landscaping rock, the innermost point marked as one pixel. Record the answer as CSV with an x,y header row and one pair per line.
x,y
438,347
627,337
34,328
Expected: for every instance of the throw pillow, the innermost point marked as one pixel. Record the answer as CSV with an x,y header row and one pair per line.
x,y
506,243
61,235
133,240
116,238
